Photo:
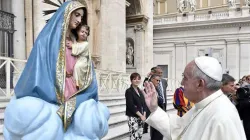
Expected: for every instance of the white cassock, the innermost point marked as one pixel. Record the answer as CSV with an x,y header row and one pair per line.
x,y
214,118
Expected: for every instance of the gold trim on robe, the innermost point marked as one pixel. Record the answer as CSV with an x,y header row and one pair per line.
x,y
67,108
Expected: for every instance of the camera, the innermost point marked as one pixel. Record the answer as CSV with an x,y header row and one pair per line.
x,y
243,93
243,107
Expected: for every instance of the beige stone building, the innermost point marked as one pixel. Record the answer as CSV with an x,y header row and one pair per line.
x,y
185,29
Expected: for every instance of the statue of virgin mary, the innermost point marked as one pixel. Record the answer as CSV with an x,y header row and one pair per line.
x,y
47,105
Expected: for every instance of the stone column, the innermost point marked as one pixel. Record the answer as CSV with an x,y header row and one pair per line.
x,y
245,11
233,58
158,7
113,35
39,21
179,17
180,60
166,6
140,48
29,26
244,56
19,35
232,12
191,16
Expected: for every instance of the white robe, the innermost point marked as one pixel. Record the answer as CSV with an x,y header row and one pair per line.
x,y
217,119
81,50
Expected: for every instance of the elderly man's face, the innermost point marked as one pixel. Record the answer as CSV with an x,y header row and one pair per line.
x,y
229,88
248,79
156,81
190,83
159,72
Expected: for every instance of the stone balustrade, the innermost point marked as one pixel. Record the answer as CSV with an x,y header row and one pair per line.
x,y
199,16
108,81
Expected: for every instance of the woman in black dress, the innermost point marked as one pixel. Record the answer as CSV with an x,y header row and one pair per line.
x,y
135,107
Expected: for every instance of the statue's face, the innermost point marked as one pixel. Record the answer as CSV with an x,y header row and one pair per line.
x,y
82,34
75,18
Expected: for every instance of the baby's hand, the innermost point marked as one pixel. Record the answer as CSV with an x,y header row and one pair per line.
x,y
68,44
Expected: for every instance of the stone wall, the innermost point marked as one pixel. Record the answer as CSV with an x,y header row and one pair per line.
x,y
229,40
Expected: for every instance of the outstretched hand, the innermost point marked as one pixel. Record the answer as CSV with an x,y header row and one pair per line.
x,y
150,96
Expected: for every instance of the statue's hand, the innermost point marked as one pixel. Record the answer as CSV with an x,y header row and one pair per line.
x,y
69,44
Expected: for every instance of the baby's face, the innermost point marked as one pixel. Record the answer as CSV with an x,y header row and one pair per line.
x,y
82,34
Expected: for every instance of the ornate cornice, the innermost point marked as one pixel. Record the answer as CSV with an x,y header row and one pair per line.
x,y
137,19
208,24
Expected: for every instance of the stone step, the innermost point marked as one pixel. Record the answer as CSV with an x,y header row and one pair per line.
x,y
1,129
1,118
107,98
116,121
115,103
111,95
3,105
4,99
169,107
117,109
117,133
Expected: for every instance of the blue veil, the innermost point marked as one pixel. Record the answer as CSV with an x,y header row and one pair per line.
x,y
43,75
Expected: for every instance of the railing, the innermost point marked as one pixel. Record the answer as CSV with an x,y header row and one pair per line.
x,y
112,82
6,21
200,16
10,70
173,84
108,81
6,34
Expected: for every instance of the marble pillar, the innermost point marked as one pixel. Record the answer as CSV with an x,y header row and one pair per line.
x,y
180,60
244,57
39,20
148,8
113,35
233,59
140,49
29,27
19,36
245,11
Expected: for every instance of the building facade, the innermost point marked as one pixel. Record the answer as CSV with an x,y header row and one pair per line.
x,y
186,29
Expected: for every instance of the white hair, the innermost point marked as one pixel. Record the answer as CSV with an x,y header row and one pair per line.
x,y
210,83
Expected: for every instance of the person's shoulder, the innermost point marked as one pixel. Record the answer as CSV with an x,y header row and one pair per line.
x,y
164,80
128,90
224,109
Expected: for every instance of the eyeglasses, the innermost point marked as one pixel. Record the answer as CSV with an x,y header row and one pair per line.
x,y
157,80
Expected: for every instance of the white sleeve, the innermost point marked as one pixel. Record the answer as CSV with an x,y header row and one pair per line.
x,y
79,48
163,122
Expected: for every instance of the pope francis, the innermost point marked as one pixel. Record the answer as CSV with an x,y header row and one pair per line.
x,y
213,116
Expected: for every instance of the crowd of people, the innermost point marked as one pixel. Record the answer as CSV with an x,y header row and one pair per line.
x,y
206,99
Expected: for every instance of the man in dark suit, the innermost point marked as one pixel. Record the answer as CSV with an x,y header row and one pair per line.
x,y
162,88
156,79
150,74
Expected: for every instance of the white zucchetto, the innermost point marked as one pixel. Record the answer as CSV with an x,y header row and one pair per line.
x,y
210,66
